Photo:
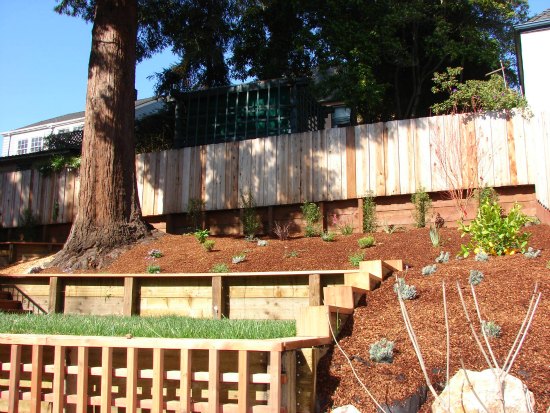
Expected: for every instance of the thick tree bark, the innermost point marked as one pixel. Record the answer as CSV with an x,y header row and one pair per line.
x,y
109,215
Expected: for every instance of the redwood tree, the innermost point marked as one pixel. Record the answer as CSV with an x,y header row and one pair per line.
x,y
109,214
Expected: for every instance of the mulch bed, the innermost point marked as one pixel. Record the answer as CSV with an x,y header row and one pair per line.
x,y
503,296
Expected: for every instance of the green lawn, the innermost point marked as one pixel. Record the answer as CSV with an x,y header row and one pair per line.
x,y
165,326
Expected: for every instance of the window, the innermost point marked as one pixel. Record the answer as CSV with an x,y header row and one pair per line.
x,y
22,146
36,144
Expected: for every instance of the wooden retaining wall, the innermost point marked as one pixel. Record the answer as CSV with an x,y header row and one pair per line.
x,y
390,158
69,373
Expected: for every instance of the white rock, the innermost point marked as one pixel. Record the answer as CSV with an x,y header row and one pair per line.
x,y
458,395
346,409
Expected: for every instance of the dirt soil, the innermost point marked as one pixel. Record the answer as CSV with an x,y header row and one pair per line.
x,y
504,296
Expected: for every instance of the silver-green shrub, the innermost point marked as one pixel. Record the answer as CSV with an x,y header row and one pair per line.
x,y
382,351
407,292
429,269
491,329
475,277
443,257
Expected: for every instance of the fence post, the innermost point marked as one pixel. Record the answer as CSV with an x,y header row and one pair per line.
x,y
131,296
57,296
219,307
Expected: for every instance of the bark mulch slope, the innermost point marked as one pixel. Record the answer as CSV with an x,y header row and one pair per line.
x,y
503,296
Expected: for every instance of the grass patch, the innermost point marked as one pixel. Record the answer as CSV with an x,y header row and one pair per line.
x,y
164,326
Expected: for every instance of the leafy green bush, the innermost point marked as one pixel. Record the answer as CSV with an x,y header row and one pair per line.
x,y
220,267
328,236
369,213
356,258
201,235
155,253
405,291
422,204
366,242
382,351
208,245
491,329
153,269
312,215
251,223
493,233
434,236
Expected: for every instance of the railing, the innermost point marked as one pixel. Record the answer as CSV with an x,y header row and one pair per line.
x,y
27,302
183,375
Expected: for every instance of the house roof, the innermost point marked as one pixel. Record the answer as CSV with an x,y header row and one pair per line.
x,y
78,115
540,21
545,15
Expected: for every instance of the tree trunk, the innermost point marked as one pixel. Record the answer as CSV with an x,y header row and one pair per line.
x,y
109,215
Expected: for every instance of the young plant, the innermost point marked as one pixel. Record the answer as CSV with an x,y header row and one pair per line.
x,y
491,329
312,216
531,253
238,258
201,235
369,213
443,257
382,351
494,233
343,225
208,245
292,254
429,269
356,258
155,253
422,204
328,236
282,231
482,256
153,269
262,243
250,220
220,267
434,236
366,242
475,277
407,292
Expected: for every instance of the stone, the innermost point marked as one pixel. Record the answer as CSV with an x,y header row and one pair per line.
x,y
346,409
517,398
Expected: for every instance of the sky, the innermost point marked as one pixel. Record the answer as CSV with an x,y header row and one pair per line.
x,y
44,62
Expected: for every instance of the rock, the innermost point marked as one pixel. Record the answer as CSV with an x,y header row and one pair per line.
x,y
517,398
411,404
346,409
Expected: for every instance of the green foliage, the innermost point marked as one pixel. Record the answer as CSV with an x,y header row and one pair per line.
x,y
485,193
328,236
422,204
429,269
475,277
434,236
491,329
312,215
220,267
382,351
366,242
443,257
405,291
195,207
250,220
474,96
356,258
292,254
369,213
155,132
208,245
155,253
153,269
58,162
493,233
343,225
201,235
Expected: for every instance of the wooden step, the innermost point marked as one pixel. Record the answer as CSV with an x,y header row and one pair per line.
x,y
363,280
10,304
381,269
344,296
5,295
16,311
313,320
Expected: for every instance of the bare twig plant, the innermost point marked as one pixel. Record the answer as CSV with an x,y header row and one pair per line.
x,y
282,231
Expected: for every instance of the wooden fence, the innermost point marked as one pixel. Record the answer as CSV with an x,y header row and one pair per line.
x,y
388,158
40,372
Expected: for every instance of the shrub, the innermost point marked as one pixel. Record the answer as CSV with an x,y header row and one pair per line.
x,y
238,258
443,257
422,203
382,351
475,277
201,235
407,292
482,256
153,269
292,254
390,228
250,221
282,231
494,233
356,258
531,253
328,236
369,213
491,329
484,194
434,236
312,215
155,253
220,267
343,225
429,269
366,242
208,245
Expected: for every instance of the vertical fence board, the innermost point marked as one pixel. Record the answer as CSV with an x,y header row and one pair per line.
x,y
82,380
270,168
184,157
500,149
172,188
140,172
209,178
423,154
14,378
25,192
213,381
185,380
275,386
59,380
521,151
334,165
319,166
361,160
36,378
106,378
485,150
149,176
158,380
377,136
131,380
306,173
393,168
245,166
244,374
282,169
257,171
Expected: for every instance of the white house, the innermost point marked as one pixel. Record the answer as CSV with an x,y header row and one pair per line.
x,y
532,45
30,138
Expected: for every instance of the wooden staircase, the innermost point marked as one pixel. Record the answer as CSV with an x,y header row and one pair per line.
x,y
341,300
9,305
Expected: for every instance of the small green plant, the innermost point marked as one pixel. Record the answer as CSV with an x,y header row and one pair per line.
x,y
531,253
429,269
292,254
250,220
443,257
343,225
369,213
434,236
153,269
494,233
485,194
475,277
422,204
201,235
366,242
482,256
220,267
282,231
491,329
382,351
312,215
391,228
195,207
238,258
208,245
155,253
328,236
405,291
356,258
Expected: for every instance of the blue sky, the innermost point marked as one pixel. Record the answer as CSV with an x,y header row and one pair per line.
x,y
44,60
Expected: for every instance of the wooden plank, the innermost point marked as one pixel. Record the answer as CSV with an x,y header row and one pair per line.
x,y
334,165
131,379
319,166
16,199
36,378
351,181
210,192
275,370
140,172
185,380
282,170
500,149
393,169
25,192
422,154
14,378
405,156
344,171
522,165
257,171
58,388
214,381
306,173
511,150
243,388
245,165
270,170
171,187
485,152
219,292
289,390
202,158
437,152
56,298
377,139
82,380
293,150
186,174
149,177
106,378
158,381
315,289
361,160
131,296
